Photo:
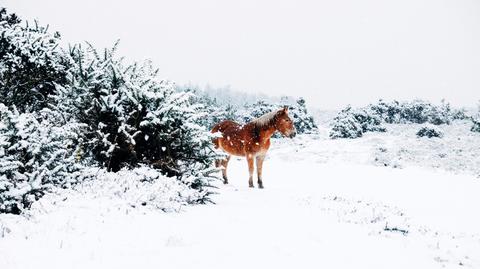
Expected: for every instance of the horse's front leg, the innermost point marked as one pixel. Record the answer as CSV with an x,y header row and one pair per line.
x,y
260,159
224,164
250,170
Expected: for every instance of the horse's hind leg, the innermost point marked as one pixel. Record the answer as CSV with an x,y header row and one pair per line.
x,y
250,170
260,159
224,164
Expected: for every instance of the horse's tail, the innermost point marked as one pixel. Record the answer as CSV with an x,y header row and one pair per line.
x,y
215,141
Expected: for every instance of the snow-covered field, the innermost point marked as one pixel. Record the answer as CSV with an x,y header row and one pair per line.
x,y
387,200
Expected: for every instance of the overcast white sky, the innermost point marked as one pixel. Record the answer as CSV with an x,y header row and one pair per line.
x,y
332,52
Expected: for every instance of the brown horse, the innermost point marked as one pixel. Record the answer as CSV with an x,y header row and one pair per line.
x,y
251,140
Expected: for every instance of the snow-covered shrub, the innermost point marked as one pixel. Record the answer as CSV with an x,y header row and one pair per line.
x,y
346,125
37,151
145,186
224,104
416,111
352,123
133,117
302,120
476,124
429,131
30,66
370,118
215,112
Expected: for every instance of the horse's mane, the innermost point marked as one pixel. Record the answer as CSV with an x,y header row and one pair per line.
x,y
265,120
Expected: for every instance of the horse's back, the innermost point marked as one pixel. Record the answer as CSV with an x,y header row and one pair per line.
x,y
226,125
231,139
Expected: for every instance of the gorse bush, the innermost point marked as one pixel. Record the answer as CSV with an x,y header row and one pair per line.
x,y
30,64
416,111
37,151
476,124
429,132
133,117
215,112
346,125
64,110
476,121
352,123
228,110
302,120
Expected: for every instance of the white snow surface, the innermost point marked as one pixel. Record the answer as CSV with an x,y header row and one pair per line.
x,y
326,204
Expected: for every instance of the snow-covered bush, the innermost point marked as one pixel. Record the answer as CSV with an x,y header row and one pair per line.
x,y
144,186
215,111
346,125
352,123
416,111
370,118
37,151
302,120
30,64
476,123
133,117
429,131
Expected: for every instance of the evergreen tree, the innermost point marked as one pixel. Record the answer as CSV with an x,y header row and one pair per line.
x,y
37,151
370,118
476,121
135,118
29,64
346,125
304,122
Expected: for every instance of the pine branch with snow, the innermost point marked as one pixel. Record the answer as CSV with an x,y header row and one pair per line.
x,y
37,151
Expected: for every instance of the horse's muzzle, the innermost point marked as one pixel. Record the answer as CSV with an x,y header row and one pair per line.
x,y
293,134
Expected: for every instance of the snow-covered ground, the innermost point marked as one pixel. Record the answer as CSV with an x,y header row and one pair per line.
x,y
326,204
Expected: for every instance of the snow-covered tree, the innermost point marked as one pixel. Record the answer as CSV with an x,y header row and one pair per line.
x,y
476,121
37,151
370,118
29,64
429,131
303,121
416,111
215,111
133,117
252,111
352,123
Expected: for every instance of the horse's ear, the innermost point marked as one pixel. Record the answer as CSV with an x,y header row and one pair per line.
x,y
285,109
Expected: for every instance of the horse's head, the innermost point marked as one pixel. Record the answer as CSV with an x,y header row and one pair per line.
x,y
284,124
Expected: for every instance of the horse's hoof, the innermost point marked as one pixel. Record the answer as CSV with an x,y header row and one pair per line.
x,y
225,182
260,186
251,186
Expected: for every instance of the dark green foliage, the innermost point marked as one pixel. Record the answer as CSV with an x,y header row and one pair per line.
x,y
352,123
226,110
10,19
37,151
215,112
346,125
429,132
134,118
303,121
476,124
416,111
30,66
61,110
